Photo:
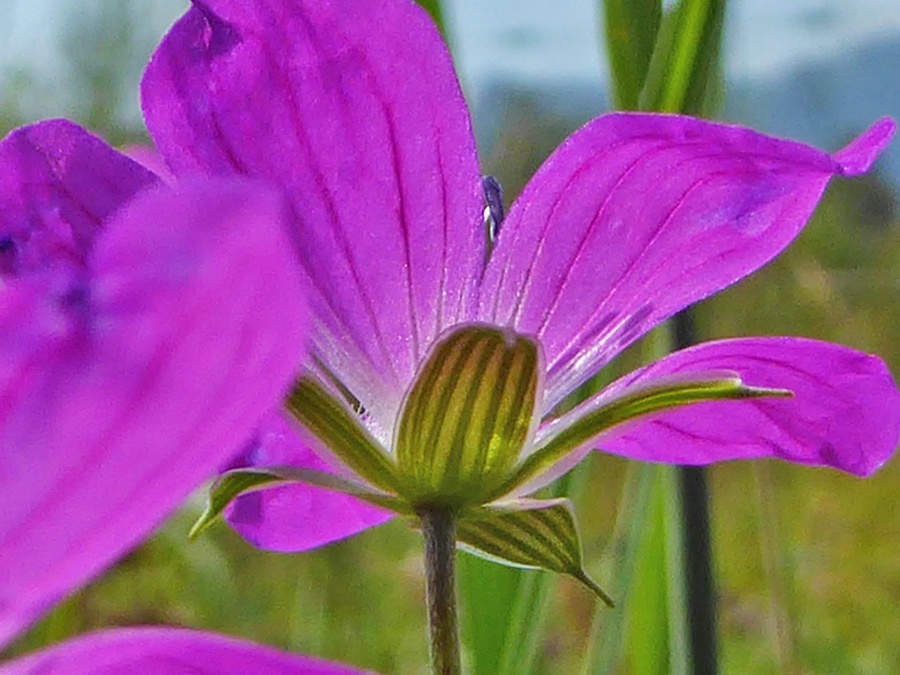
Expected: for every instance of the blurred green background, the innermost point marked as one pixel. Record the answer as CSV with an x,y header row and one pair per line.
x,y
807,560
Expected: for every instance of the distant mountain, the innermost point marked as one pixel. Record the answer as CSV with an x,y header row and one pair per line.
x,y
824,104
828,103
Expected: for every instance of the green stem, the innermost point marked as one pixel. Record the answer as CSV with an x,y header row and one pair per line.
x,y
439,528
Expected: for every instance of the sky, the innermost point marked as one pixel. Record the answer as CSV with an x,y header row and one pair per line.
x,y
533,39
540,42
552,39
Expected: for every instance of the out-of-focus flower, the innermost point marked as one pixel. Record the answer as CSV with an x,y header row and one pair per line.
x,y
144,333
167,651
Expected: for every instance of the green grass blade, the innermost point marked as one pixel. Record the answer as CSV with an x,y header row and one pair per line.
x,y
681,78
650,630
527,620
680,662
433,7
647,620
631,28
487,606
608,628
685,58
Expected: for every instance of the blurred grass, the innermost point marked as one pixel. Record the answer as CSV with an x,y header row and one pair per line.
x,y
809,576
836,573
360,602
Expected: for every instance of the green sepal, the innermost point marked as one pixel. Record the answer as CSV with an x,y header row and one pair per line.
x,y
232,484
329,420
586,422
467,417
225,489
528,533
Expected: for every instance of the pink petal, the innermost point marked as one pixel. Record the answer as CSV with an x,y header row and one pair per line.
x,y
845,412
295,517
167,651
125,384
59,185
354,108
637,216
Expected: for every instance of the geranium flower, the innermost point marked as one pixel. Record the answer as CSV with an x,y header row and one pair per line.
x,y
144,332
440,358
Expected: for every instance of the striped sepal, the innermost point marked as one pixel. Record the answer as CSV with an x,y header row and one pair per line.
x,y
232,484
528,533
467,417
605,411
329,420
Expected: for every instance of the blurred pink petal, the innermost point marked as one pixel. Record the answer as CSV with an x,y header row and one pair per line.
x,y
164,651
636,217
354,109
59,185
127,381
295,517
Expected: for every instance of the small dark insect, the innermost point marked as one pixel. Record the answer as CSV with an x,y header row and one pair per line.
x,y
493,210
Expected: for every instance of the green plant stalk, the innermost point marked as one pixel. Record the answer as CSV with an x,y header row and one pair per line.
x,y
439,529
680,77
608,628
681,657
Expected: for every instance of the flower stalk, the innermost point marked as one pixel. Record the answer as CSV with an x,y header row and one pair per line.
x,y
439,528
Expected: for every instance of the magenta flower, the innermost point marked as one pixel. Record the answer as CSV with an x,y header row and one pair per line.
x,y
167,651
352,107
146,331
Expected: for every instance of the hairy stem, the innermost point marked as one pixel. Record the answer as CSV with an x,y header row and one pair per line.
x,y
439,528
